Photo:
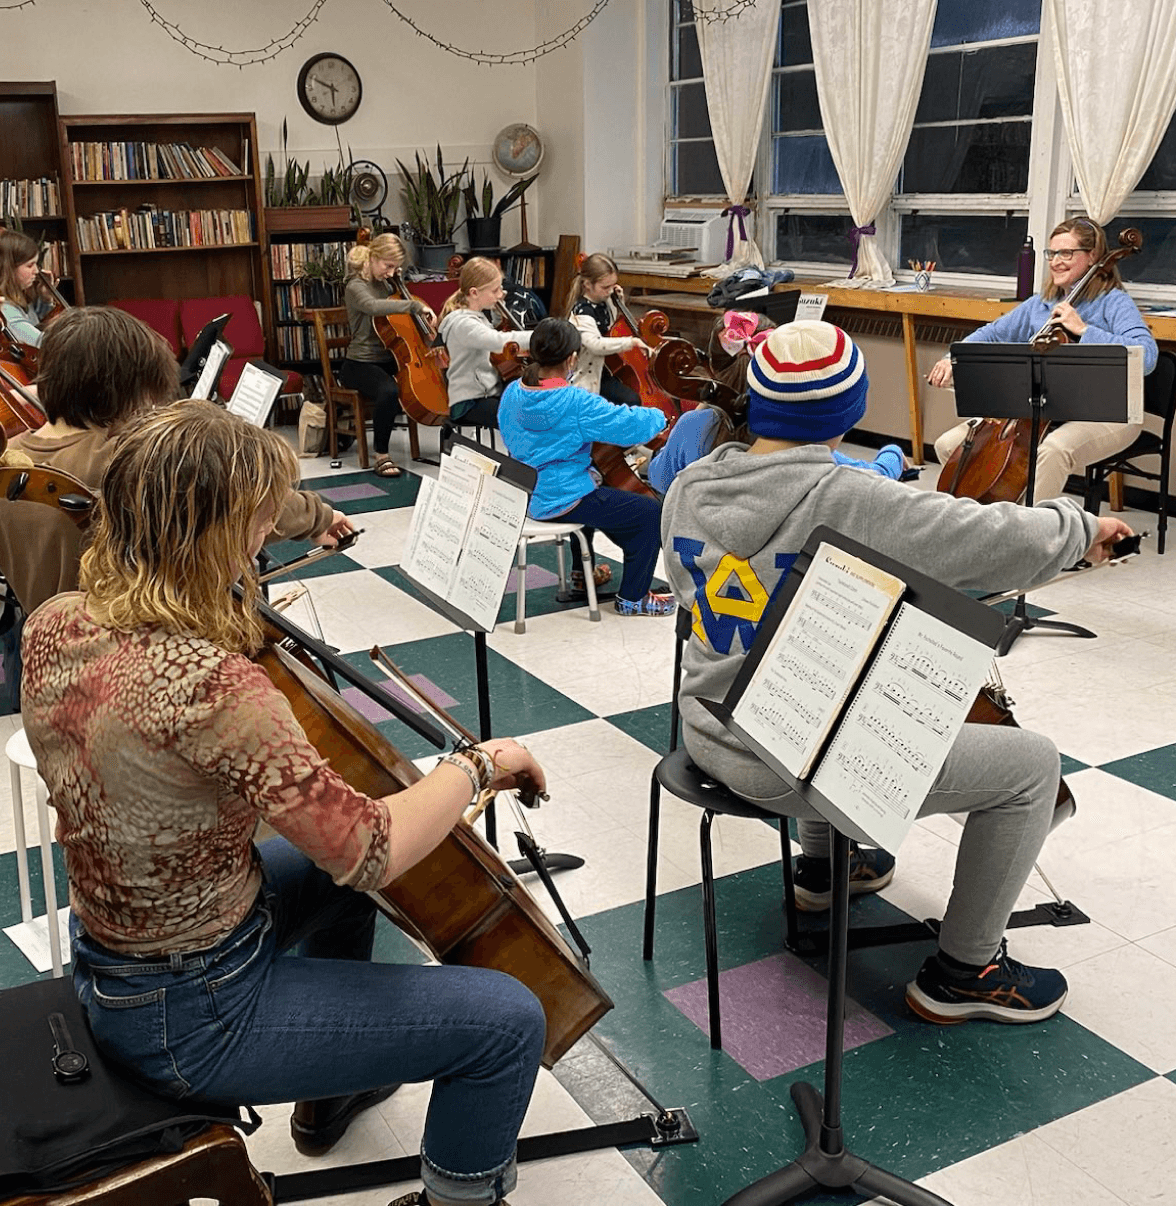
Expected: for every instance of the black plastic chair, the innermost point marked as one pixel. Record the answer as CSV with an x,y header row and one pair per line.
x,y
680,777
1159,398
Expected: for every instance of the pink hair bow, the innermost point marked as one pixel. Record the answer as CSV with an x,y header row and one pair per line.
x,y
740,332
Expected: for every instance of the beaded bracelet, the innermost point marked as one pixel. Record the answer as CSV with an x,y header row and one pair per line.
x,y
484,761
459,761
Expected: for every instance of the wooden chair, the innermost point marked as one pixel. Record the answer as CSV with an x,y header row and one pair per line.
x,y
352,420
213,1164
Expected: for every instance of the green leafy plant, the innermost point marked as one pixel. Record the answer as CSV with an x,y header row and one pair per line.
x,y
293,187
480,203
330,267
431,202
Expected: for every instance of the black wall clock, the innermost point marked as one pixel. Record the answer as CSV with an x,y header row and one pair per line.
x,y
329,88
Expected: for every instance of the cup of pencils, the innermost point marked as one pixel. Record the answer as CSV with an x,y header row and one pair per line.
x,y
922,270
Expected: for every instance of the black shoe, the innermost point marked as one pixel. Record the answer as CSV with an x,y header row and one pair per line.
x,y
317,1126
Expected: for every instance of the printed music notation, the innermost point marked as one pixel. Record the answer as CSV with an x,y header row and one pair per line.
x,y
464,536
896,734
816,656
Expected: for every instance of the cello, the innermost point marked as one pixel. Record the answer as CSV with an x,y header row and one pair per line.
x,y
511,361
419,370
461,900
19,410
992,463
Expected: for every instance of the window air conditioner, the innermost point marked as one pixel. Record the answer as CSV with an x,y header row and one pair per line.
x,y
704,229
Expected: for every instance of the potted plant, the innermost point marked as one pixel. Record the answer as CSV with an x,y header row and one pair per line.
x,y
483,217
431,204
293,203
322,279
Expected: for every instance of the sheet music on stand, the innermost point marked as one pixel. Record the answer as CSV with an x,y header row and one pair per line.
x,y
465,532
257,388
860,677
218,357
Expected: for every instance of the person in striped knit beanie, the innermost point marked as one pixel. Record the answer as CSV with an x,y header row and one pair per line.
x,y
734,522
806,378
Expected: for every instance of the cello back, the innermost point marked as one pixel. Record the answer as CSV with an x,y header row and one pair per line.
x,y
461,901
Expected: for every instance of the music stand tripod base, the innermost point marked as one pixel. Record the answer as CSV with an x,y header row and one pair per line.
x,y
1020,621
825,1163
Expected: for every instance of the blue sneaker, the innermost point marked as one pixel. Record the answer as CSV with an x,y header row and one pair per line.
x,y
651,605
870,870
1005,991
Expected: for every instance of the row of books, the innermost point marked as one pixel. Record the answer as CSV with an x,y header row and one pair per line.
x,y
55,259
530,271
298,343
287,259
148,161
148,227
289,299
30,198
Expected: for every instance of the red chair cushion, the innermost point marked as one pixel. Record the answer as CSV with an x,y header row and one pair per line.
x,y
161,314
433,293
243,331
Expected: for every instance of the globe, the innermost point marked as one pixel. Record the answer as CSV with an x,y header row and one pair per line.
x,y
518,150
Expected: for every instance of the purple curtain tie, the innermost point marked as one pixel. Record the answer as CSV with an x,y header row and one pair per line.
x,y
855,237
731,213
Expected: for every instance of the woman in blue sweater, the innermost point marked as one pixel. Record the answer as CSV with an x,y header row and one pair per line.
x,y
1103,313
552,426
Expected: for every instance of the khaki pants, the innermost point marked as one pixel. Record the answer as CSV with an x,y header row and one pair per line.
x,y
1066,449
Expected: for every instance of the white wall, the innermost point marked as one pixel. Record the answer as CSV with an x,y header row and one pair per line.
x,y
597,102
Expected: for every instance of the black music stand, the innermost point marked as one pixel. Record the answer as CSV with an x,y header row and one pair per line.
x,y
826,1163
1085,382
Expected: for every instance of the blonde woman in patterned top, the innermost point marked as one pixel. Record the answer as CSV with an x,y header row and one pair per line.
x,y
163,745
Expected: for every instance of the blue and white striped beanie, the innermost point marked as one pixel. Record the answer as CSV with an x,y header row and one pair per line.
x,y
808,383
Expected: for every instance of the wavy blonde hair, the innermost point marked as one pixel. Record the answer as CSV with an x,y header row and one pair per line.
x,y
383,247
476,273
175,519
594,268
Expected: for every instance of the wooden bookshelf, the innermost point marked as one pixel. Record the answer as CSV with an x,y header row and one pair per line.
x,y
307,234
179,236
534,269
30,151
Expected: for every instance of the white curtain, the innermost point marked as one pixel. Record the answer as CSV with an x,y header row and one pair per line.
x,y
737,51
869,59
1116,66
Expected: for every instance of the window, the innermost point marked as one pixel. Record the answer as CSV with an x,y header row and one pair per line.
x,y
962,195
693,168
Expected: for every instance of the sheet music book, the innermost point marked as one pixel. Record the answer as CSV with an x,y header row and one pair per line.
x,y
870,691
464,535
218,357
257,387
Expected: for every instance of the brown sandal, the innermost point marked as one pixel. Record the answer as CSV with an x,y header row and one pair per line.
x,y
385,466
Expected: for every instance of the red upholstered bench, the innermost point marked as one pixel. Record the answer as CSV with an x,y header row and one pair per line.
x,y
161,314
243,332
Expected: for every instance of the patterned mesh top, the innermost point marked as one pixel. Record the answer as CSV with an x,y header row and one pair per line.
x,y
161,753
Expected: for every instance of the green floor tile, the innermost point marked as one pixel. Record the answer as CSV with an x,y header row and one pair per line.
x,y
650,726
919,1100
520,702
1153,769
1071,766
397,491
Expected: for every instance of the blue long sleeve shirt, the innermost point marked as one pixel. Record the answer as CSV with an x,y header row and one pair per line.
x,y
1112,317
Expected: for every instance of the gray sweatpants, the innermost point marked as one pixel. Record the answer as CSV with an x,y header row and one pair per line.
x,y
1004,779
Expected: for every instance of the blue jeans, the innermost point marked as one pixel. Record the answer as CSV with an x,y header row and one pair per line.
x,y
632,521
238,1023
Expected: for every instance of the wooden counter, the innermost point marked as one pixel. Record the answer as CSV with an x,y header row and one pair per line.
x,y
686,297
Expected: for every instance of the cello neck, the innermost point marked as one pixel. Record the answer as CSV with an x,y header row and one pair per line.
x,y
400,289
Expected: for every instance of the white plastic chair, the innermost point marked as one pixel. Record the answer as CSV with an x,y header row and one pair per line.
x,y
28,935
538,532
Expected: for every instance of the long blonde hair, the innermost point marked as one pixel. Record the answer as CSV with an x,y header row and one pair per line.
x,y
593,268
1091,237
476,273
176,515
16,248
384,247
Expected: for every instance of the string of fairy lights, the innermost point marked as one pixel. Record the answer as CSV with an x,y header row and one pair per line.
x,y
715,10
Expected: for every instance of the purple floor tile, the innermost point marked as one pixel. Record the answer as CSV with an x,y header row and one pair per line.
x,y
352,493
773,1013
537,576
370,708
